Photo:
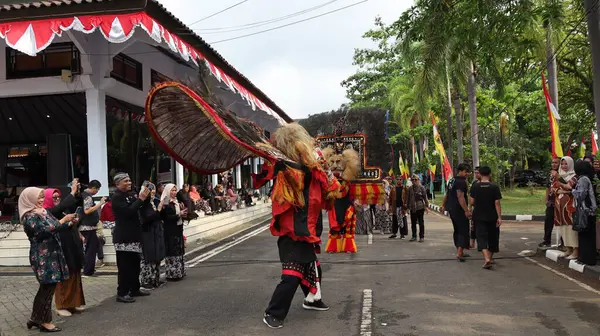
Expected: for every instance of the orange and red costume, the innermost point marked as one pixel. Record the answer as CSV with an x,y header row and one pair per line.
x,y
342,223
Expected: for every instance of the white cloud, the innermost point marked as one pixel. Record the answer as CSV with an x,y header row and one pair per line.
x,y
300,67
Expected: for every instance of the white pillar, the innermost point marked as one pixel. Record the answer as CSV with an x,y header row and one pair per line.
x,y
179,175
96,137
238,176
214,178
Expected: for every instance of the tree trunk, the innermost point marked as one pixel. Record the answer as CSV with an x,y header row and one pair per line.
x,y
459,126
593,21
473,114
421,142
551,62
449,118
412,146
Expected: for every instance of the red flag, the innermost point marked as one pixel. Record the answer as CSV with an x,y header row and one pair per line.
x,y
594,143
553,117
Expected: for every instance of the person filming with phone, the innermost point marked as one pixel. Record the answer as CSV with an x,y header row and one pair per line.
x,y
127,237
90,216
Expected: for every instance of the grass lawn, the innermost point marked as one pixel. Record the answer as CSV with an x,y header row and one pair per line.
x,y
517,201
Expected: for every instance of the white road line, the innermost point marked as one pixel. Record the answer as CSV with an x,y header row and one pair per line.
x,y
370,239
366,321
577,282
224,247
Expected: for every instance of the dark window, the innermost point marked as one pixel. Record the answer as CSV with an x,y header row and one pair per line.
x,y
156,77
128,71
48,62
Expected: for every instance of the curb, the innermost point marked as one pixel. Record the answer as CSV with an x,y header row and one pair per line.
x,y
520,218
556,256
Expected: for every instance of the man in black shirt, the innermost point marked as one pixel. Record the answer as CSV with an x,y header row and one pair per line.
x,y
397,207
127,237
486,196
455,202
549,219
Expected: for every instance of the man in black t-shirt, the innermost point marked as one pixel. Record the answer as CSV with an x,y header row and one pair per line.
x,y
455,202
549,219
485,197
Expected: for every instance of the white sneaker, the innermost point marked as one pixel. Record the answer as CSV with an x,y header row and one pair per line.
x,y
80,309
63,313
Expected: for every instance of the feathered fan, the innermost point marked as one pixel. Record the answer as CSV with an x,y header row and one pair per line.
x,y
189,122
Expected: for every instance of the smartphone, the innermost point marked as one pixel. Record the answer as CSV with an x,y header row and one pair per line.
x,y
79,212
148,184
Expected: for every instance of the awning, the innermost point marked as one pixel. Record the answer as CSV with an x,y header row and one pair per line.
x,y
29,120
31,37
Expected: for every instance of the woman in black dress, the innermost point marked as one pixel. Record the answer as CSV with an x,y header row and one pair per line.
x,y
153,242
68,296
172,212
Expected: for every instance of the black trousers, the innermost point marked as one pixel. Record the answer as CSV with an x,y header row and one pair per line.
x,y
128,265
548,225
460,222
488,236
396,225
42,304
92,244
282,298
587,244
417,217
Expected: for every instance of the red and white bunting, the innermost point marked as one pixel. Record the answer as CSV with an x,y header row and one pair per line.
x,y
31,37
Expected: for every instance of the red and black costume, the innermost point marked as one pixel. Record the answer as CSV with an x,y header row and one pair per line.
x,y
299,195
342,223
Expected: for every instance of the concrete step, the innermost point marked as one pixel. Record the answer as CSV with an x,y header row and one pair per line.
x,y
14,249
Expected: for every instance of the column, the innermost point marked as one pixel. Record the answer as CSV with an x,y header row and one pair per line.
x,y
238,176
179,175
96,138
214,180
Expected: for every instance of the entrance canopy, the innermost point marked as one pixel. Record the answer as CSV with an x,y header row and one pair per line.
x,y
31,37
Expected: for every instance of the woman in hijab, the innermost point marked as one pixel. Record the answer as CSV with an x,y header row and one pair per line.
x,y
199,203
172,212
45,254
68,295
585,198
564,183
153,242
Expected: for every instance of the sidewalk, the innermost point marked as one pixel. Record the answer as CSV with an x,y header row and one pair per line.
x,y
18,285
17,293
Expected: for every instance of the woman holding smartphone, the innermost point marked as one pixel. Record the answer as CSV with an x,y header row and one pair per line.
x,y
45,254
153,241
172,212
68,296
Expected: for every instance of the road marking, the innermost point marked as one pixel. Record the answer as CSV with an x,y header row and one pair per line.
x,y
577,282
370,239
224,247
366,317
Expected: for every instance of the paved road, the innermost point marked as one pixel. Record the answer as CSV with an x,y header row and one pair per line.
x,y
417,289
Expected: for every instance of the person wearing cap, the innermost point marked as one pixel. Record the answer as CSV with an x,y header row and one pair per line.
x,y
127,237
417,204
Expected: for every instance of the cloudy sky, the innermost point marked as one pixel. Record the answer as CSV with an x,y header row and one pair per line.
x,y
301,66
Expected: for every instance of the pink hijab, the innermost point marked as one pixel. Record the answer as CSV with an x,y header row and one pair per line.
x,y
28,202
48,201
